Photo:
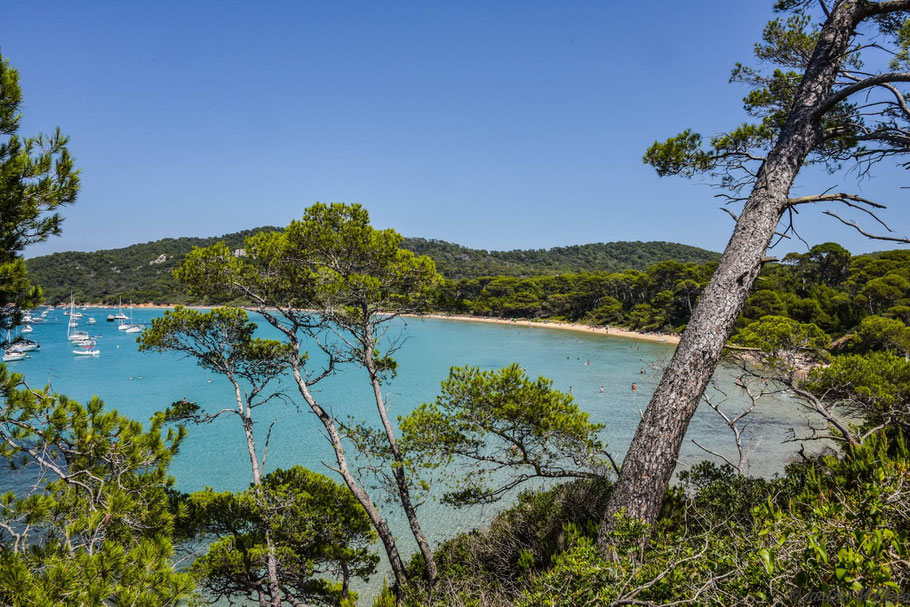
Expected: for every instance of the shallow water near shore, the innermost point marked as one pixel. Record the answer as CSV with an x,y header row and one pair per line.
x,y
137,384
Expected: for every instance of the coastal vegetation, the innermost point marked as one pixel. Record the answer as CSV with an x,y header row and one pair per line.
x,y
37,179
333,280
143,273
97,519
720,534
827,286
818,94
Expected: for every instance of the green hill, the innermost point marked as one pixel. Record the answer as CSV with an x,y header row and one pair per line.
x,y
455,261
143,272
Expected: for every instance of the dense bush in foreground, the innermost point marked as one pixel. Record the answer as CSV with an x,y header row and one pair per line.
x,y
831,530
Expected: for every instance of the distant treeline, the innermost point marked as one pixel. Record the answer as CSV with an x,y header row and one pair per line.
x,y
455,262
144,272
827,286
646,286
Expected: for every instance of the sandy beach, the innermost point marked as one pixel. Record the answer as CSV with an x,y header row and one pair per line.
x,y
564,326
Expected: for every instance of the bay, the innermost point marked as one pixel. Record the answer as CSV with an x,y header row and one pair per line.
x,y
139,383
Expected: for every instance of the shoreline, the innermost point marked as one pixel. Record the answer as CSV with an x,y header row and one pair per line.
x,y
565,326
667,338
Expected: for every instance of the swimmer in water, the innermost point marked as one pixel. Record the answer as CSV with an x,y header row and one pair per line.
x,y
601,389
634,387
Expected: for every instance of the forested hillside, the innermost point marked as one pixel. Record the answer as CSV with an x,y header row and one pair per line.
x,y
454,261
826,286
143,272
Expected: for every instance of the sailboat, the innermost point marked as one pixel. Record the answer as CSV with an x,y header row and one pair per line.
x,y
123,326
119,315
132,328
26,345
87,352
12,355
72,333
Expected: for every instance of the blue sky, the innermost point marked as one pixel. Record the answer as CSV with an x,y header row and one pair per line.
x,y
495,125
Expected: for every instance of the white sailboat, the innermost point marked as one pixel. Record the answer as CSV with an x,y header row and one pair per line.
x,y
12,355
26,345
21,345
126,325
87,352
72,333
78,335
119,315
132,328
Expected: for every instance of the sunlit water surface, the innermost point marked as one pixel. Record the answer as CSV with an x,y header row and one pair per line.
x,y
137,384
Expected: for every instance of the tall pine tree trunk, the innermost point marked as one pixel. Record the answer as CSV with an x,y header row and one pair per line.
x,y
651,459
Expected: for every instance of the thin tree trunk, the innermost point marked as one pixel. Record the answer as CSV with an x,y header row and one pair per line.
x,y
398,469
379,523
651,459
271,561
345,580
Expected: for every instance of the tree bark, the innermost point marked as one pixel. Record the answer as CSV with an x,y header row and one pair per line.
x,y
398,468
379,523
246,415
345,580
652,456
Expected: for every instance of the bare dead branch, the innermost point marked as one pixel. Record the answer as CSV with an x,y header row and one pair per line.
x,y
853,225
839,197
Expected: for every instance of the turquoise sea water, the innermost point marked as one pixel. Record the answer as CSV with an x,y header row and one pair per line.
x,y
214,454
